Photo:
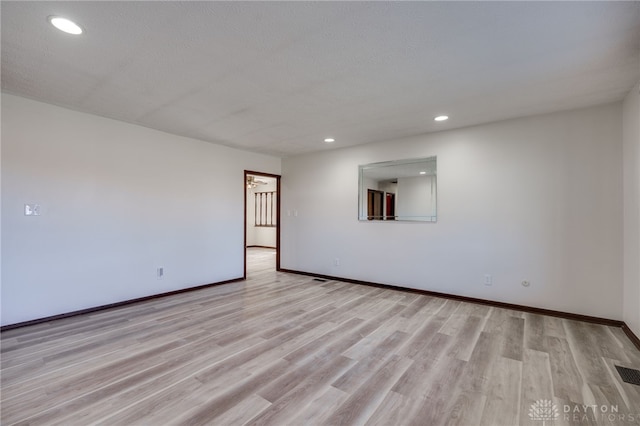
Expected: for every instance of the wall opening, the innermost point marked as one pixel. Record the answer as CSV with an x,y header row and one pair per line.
x,y
261,222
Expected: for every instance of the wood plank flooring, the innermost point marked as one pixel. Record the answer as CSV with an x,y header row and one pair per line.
x,y
283,349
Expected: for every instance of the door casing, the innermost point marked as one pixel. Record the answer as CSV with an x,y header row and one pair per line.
x,y
244,230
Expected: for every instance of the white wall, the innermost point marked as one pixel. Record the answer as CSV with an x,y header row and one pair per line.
x,y
537,199
259,235
118,201
631,155
416,197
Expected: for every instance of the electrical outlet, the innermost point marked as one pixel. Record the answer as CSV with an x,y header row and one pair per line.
x,y
488,279
160,273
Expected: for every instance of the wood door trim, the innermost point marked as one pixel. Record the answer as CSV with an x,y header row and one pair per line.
x,y
278,216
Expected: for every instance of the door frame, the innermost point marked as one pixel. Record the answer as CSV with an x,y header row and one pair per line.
x,y
244,230
372,194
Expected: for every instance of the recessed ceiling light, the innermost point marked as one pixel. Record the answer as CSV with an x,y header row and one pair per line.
x,y
441,118
66,25
329,140
423,173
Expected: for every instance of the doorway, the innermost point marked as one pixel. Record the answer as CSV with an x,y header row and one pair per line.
x,y
261,222
375,202
390,206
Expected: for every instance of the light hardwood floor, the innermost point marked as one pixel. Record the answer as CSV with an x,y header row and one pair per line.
x,y
284,349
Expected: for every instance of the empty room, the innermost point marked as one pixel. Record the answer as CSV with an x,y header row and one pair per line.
x,y
320,213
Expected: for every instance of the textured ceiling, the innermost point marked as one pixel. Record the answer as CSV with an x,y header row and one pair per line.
x,y
279,77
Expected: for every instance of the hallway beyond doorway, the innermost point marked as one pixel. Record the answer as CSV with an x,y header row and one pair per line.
x,y
260,259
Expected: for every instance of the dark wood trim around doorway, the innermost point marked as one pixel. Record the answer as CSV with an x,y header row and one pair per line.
x,y
278,215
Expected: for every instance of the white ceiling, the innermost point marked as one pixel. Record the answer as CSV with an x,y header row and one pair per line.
x,y
279,77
